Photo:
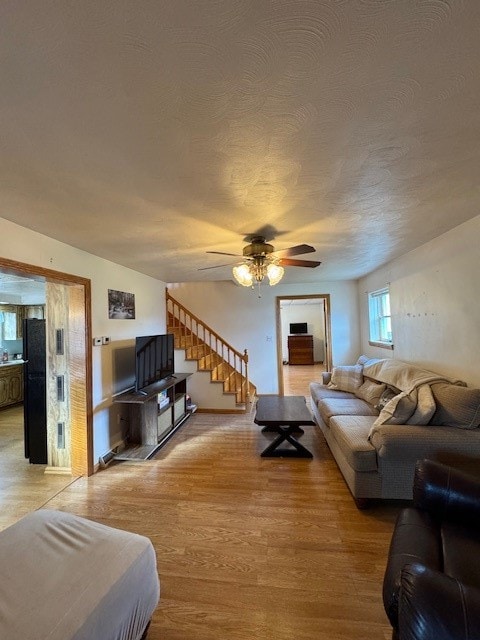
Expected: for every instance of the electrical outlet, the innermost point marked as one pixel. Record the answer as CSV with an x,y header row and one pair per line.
x,y
105,340
97,342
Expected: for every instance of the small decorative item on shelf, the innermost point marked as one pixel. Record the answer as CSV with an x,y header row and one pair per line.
x,y
191,408
5,356
163,399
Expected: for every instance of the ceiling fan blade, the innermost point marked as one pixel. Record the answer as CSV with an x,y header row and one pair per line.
x,y
295,251
289,262
223,253
217,266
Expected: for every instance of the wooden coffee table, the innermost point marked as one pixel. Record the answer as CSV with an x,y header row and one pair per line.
x,y
283,415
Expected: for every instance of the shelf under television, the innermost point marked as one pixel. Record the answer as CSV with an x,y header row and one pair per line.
x,y
146,437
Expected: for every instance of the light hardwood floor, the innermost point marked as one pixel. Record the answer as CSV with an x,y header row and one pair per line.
x,y
23,486
297,378
247,547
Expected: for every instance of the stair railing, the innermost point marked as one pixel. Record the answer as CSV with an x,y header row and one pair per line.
x,y
195,333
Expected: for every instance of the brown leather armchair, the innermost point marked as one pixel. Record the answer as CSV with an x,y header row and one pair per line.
x,y
431,588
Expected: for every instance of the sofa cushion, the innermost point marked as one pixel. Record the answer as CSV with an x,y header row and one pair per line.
x,y
370,391
347,378
456,406
344,407
319,391
351,435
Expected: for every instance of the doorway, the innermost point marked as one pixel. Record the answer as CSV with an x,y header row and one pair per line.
x,y
77,306
314,310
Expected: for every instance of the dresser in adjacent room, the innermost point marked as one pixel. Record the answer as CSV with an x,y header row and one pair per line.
x,y
300,349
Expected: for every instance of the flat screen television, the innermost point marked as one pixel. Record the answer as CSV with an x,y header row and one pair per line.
x,y
298,327
154,359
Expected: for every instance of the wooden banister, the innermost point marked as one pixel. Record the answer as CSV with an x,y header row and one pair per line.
x,y
192,331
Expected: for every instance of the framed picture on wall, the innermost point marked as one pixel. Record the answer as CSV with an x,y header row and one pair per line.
x,y
121,305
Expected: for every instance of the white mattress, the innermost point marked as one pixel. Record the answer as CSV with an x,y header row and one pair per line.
x,y
67,578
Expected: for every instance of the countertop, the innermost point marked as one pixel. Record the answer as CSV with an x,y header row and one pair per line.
x,y
9,363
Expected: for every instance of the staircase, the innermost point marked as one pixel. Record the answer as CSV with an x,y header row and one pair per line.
x,y
226,365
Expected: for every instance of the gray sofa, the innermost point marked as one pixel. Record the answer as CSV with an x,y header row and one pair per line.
x,y
380,416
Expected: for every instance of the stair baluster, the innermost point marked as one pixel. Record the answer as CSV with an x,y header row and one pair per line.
x,y
211,351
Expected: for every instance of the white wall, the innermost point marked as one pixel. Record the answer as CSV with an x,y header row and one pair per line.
x,y
27,246
434,302
205,394
313,315
247,321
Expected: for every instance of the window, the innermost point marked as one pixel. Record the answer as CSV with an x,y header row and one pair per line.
x,y
8,326
380,318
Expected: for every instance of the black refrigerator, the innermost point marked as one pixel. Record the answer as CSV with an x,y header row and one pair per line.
x,y
34,396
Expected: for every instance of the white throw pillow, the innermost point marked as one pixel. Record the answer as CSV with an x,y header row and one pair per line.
x,y
347,378
371,391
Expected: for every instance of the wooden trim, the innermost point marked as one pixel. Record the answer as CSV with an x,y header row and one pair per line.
x,y
278,327
382,345
328,332
87,292
58,471
84,461
39,273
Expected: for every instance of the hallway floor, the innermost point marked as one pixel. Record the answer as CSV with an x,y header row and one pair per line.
x,y
297,378
24,487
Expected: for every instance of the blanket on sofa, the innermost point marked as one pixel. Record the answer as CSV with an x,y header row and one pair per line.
x,y
414,404
401,375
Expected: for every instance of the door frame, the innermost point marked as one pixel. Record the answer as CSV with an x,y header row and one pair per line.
x,y
82,444
328,332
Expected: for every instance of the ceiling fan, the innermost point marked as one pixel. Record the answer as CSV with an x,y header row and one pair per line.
x,y
260,260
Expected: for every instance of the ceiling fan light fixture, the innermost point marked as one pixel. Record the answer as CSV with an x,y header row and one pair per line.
x,y
242,275
260,261
247,273
274,273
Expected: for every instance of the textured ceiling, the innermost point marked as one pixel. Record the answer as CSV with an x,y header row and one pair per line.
x,y
151,132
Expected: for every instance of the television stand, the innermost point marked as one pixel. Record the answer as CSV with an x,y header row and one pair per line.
x,y
152,425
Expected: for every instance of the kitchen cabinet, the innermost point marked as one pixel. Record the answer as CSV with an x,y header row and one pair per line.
x,y
12,321
11,384
13,315
34,311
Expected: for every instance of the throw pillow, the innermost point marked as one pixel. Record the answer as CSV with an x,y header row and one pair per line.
x,y
362,360
348,378
456,406
397,410
371,391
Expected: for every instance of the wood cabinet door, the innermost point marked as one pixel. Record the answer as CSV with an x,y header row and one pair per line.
x,y
3,391
15,385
